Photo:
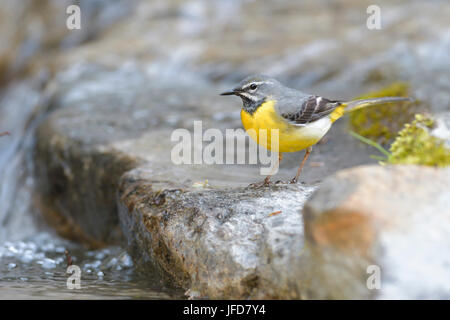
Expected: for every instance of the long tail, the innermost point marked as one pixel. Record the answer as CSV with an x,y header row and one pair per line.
x,y
350,106
362,103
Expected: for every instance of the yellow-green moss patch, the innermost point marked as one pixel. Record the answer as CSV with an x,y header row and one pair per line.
x,y
415,145
381,123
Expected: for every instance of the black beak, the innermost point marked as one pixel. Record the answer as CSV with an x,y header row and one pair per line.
x,y
228,93
235,91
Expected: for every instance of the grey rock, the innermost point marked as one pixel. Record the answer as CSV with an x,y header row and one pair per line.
x,y
224,243
235,243
441,128
395,218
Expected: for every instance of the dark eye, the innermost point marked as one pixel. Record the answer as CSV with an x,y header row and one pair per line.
x,y
253,86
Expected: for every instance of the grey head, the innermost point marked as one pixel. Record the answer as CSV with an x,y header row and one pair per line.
x,y
256,89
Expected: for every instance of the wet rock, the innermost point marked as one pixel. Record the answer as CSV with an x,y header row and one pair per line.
x,y
234,243
75,167
219,243
395,218
21,106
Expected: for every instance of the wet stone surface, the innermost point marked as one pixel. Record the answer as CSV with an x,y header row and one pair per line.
x,y
229,243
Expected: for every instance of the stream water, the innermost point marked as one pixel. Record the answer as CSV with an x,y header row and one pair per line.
x,y
35,268
32,258
33,262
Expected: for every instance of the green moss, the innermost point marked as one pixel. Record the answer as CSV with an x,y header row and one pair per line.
x,y
415,145
381,123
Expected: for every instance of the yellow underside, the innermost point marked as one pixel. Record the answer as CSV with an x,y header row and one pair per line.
x,y
292,138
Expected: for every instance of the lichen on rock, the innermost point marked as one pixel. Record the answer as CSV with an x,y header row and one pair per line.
x,y
415,145
382,122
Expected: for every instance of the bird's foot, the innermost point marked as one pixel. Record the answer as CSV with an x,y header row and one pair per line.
x,y
266,182
283,182
295,181
259,184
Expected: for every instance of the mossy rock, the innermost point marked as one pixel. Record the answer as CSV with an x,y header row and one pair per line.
x,y
415,145
382,122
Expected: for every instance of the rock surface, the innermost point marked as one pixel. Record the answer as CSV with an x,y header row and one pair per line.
x,y
236,243
391,217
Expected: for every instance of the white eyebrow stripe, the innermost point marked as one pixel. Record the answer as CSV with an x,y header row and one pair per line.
x,y
257,83
249,96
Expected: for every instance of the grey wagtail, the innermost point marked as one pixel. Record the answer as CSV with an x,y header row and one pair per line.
x,y
301,119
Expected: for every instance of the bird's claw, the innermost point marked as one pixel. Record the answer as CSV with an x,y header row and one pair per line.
x,y
266,183
257,185
263,183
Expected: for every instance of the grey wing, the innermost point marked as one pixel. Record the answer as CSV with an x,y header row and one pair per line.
x,y
309,110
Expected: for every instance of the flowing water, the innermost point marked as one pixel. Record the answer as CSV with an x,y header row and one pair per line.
x,y
33,262
35,268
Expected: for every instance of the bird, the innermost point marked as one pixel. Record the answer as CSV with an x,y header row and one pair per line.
x,y
302,119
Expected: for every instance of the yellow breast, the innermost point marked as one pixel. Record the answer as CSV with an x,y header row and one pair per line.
x,y
291,138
